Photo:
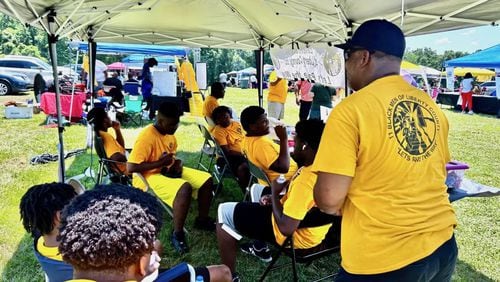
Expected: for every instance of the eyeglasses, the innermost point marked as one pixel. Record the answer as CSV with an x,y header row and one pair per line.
x,y
350,51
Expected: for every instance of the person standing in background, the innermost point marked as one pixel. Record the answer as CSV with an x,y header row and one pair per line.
x,y
322,96
147,84
276,98
304,98
466,87
223,79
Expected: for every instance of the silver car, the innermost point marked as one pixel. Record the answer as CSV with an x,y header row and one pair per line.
x,y
28,66
487,87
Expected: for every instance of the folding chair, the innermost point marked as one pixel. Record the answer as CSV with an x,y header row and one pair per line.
x,y
256,173
331,244
207,149
133,109
109,169
223,171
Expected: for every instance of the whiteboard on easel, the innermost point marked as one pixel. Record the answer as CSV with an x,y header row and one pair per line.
x,y
201,75
164,83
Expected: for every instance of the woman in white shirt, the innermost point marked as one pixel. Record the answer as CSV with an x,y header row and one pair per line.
x,y
466,92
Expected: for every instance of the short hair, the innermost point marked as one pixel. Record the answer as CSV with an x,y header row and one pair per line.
x,y
216,87
96,117
468,75
219,111
40,203
109,228
310,131
250,115
169,110
152,62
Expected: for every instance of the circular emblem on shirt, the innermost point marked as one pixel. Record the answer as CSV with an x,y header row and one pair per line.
x,y
333,62
414,125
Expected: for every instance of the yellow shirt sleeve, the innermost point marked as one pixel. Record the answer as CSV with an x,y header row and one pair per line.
x,y
338,149
299,200
111,146
143,148
267,154
220,135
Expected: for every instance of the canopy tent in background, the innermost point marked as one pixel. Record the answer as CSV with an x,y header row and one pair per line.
x,y
147,49
139,58
480,74
117,66
487,58
238,24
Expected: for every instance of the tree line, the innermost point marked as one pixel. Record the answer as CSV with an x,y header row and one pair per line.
x,y
16,39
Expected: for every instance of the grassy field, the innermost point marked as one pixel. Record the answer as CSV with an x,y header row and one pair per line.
x,y
473,139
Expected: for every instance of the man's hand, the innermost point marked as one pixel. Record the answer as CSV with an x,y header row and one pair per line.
x,y
176,168
281,132
115,124
265,200
166,159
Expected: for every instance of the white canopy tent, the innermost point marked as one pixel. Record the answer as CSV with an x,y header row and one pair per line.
x,y
242,24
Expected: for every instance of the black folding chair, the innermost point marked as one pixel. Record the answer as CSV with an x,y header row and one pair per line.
x,y
331,244
207,149
256,173
222,168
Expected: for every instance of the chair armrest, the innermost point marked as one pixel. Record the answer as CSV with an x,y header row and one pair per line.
x,y
143,179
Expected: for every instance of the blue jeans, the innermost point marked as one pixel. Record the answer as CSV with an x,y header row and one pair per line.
x,y
436,267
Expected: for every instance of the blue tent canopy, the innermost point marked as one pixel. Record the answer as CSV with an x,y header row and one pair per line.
x,y
487,58
119,48
139,58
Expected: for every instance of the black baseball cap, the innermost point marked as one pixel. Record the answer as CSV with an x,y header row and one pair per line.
x,y
378,35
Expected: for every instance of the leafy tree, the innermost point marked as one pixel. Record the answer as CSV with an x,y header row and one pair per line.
x,y
429,58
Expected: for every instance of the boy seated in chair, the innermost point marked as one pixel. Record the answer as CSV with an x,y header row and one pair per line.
x,y
217,91
40,211
153,155
110,234
114,147
275,218
229,135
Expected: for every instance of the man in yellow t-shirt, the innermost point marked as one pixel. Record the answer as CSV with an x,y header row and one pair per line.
x,y
153,155
274,159
229,135
40,210
114,147
217,92
381,164
276,97
273,219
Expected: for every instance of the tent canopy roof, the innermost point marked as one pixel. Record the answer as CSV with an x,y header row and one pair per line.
x,y
243,24
487,58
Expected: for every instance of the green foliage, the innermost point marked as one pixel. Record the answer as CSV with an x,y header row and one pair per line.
x,y
429,57
16,39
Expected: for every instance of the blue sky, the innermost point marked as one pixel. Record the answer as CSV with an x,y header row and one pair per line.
x,y
467,40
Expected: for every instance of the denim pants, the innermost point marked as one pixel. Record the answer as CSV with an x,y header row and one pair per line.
x,y
437,267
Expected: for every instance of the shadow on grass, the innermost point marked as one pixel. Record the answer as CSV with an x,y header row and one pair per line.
x,y
465,272
23,265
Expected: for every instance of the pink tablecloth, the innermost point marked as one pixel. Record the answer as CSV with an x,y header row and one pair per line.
x,y
48,104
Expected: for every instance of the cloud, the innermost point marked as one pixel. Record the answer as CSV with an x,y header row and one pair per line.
x,y
443,41
475,43
469,32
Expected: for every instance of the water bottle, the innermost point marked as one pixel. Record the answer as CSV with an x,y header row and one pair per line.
x,y
281,179
199,278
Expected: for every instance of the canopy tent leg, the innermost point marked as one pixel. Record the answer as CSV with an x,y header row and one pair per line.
x,y
73,87
259,61
52,38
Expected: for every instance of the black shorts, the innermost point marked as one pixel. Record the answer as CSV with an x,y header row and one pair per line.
x,y
254,221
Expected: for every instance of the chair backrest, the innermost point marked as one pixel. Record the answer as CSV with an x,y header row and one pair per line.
x,y
108,166
132,88
206,133
133,103
258,173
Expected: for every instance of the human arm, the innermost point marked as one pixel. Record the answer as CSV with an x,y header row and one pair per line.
x,y
164,161
286,224
119,137
282,163
330,192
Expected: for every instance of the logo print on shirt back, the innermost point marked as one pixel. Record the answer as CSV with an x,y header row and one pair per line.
x,y
414,127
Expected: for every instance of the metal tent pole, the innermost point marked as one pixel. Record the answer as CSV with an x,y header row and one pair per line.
x,y
260,71
52,38
73,86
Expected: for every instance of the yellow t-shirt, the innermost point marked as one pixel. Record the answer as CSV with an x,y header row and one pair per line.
x,y
111,146
232,136
263,152
278,92
297,201
393,140
209,105
48,252
186,73
149,147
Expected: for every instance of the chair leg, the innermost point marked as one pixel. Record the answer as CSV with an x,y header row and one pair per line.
x,y
294,263
99,174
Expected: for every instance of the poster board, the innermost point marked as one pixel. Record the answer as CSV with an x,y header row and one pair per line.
x,y
164,83
201,75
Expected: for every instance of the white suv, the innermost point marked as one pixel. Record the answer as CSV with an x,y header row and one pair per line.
x,y
28,66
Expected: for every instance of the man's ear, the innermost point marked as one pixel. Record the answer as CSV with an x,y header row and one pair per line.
x,y
143,268
57,217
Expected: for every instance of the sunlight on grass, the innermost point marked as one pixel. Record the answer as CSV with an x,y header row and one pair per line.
x,y
473,139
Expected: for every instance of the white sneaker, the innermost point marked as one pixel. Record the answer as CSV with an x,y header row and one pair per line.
x,y
471,112
463,112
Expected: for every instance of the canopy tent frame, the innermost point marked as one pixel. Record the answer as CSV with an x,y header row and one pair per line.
x,y
300,22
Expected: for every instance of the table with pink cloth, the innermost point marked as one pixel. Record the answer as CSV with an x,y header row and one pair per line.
x,y
48,104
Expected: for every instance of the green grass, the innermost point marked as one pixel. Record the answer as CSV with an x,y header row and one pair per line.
x,y
473,139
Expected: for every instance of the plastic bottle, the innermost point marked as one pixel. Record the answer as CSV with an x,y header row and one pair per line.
x,y
199,278
281,179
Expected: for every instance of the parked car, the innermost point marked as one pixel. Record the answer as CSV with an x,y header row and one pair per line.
x,y
13,83
487,87
28,66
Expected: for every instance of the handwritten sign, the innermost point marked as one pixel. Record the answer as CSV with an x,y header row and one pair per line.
x,y
323,65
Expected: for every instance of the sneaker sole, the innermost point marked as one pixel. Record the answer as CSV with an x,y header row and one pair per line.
x,y
254,255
